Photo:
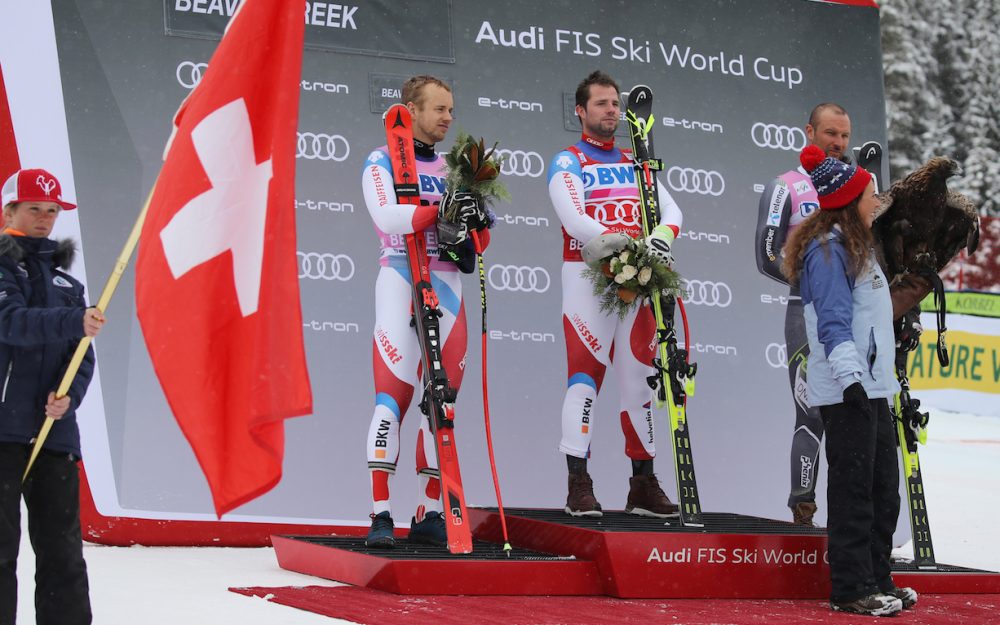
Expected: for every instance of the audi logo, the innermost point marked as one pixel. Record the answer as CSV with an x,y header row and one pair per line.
x,y
778,137
700,181
708,293
189,73
521,163
325,266
519,278
323,147
613,213
776,355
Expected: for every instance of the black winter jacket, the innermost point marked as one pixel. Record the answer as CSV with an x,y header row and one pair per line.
x,y
41,323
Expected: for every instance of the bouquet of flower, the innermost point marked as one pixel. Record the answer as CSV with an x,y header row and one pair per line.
x,y
473,169
624,279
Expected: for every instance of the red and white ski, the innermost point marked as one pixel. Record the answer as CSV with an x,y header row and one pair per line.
x,y
438,401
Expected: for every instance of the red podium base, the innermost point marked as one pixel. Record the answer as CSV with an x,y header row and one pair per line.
x,y
731,557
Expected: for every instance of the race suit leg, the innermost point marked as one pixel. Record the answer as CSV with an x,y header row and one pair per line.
x,y
632,357
808,423
589,336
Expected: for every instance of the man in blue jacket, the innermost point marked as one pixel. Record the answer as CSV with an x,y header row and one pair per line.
x,y
43,316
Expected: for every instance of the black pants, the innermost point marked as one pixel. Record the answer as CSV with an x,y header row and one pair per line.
x,y
52,497
862,498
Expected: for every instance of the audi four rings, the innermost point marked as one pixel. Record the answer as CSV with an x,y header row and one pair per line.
x,y
700,181
776,355
778,137
189,73
323,147
521,163
615,213
519,278
325,266
708,293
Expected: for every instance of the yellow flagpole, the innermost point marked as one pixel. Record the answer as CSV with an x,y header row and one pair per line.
x,y
101,306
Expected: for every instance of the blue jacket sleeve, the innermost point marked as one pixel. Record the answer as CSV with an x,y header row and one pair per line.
x,y
830,289
22,325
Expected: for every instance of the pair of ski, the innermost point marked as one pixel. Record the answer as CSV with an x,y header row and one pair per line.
x,y
909,421
673,379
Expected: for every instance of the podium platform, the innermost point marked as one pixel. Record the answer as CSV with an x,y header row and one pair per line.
x,y
620,555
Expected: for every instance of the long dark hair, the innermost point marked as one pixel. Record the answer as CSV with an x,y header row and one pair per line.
x,y
857,239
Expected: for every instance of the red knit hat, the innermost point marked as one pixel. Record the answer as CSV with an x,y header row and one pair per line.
x,y
836,182
33,185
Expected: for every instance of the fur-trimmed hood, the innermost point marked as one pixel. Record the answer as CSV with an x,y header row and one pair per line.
x,y
63,251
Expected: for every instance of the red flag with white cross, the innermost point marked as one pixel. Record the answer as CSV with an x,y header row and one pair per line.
x,y
217,290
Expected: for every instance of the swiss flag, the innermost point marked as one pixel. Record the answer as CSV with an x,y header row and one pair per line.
x,y
217,289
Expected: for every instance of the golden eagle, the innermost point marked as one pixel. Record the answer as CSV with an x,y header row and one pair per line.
x,y
922,225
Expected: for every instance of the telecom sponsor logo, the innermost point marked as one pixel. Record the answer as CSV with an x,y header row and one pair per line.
x,y
325,266
519,278
521,163
623,213
776,355
524,220
687,124
322,146
778,137
708,293
522,336
332,326
700,181
509,105
777,204
707,237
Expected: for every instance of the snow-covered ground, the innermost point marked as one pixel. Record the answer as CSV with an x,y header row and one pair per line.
x,y
169,585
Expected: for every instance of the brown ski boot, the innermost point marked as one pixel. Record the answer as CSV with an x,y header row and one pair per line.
x,y
581,500
802,513
646,498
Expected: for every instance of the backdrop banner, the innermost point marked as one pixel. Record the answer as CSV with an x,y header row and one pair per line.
x,y
733,84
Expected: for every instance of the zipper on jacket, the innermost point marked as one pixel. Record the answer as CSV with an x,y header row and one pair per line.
x,y
6,381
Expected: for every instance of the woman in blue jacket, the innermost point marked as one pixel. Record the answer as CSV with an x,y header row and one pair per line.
x,y
43,316
848,314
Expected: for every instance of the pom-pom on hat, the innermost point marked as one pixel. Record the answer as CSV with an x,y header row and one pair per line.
x,y
836,182
33,185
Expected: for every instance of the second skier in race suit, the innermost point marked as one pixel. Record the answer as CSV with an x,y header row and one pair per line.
x,y
395,347
785,203
593,189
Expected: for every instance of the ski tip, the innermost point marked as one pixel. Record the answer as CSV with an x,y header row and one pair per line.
x,y
507,549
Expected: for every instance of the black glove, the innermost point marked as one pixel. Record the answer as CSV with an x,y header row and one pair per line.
x,y
463,207
856,398
908,330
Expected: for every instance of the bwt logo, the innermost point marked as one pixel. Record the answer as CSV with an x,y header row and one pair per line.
x,y
519,278
706,293
319,146
521,163
325,266
776,355
189,73
617,213
509,105
700,181
778,137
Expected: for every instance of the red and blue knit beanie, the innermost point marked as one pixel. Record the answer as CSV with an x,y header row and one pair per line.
x,y
836,182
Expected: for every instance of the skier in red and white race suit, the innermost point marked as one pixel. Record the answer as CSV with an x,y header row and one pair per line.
x,y
395,348
593,188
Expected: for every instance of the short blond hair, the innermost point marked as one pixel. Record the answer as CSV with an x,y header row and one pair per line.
x,y
413,88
